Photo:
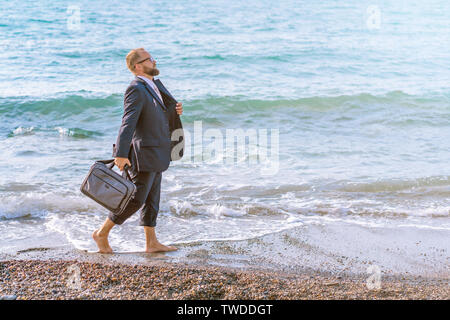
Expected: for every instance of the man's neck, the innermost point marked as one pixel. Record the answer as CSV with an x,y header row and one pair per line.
x,y
145,76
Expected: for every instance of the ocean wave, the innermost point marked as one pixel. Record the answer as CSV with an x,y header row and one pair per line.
x,y
393,185
438,186
32,204
68,132
77,132
76,103
28,201
60,107
22,131
361,101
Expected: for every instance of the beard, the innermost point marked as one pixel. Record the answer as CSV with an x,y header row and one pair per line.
x,y
151,71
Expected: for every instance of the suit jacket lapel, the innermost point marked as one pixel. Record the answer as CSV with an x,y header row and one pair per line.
x,y
163,89
153,93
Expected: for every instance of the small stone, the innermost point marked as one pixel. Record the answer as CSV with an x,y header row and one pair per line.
x,y
9,297
332,284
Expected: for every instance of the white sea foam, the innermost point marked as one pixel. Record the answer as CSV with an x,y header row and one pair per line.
x,y
23,131
38,205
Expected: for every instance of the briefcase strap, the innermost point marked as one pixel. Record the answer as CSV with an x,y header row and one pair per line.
x,y
110,165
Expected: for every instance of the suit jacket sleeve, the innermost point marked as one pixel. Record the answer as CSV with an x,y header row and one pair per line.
x,y
133,103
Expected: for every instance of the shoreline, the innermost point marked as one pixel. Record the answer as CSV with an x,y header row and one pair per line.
x,y
308,262
337,249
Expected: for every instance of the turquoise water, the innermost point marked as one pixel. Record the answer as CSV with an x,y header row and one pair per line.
x,y
358,93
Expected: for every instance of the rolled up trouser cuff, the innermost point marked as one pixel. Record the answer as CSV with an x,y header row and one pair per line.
x,y
147,225
148,219
115,219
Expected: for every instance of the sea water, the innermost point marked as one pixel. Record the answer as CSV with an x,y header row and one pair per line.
x,y
357,91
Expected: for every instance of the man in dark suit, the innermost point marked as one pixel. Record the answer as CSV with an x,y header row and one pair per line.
x,y
144,144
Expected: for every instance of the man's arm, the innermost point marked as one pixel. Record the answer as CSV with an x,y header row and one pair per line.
x,y
133,104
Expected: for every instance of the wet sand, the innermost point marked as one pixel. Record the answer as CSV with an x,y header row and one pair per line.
x,y
313,262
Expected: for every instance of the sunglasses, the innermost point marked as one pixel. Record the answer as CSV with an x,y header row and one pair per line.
x,y
151,60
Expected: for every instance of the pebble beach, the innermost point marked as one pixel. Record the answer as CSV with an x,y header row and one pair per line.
x,y
34,279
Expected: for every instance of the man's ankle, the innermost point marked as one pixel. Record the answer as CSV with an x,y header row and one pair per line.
x,y
152,243
102,233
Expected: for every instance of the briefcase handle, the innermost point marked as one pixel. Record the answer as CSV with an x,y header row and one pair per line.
x,y
110,165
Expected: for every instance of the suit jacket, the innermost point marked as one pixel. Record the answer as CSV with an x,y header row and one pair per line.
x,y
148,128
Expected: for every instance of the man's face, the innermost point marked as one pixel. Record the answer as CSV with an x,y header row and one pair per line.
x,y
147,66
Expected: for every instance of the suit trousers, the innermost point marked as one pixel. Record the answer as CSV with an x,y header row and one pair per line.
x,y
148,190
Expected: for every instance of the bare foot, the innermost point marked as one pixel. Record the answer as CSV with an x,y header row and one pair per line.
x,y
102,243
159,247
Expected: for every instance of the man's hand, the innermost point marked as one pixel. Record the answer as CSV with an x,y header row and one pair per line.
x,y
121,162
179,107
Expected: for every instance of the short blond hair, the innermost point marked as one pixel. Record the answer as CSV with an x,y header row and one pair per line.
x,y
132,58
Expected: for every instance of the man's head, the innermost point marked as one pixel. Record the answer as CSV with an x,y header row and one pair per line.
x,y
141,63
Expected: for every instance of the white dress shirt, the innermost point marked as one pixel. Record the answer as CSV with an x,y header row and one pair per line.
x,y
153,86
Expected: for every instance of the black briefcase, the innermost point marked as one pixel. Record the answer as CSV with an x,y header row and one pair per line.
x,y
107,187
